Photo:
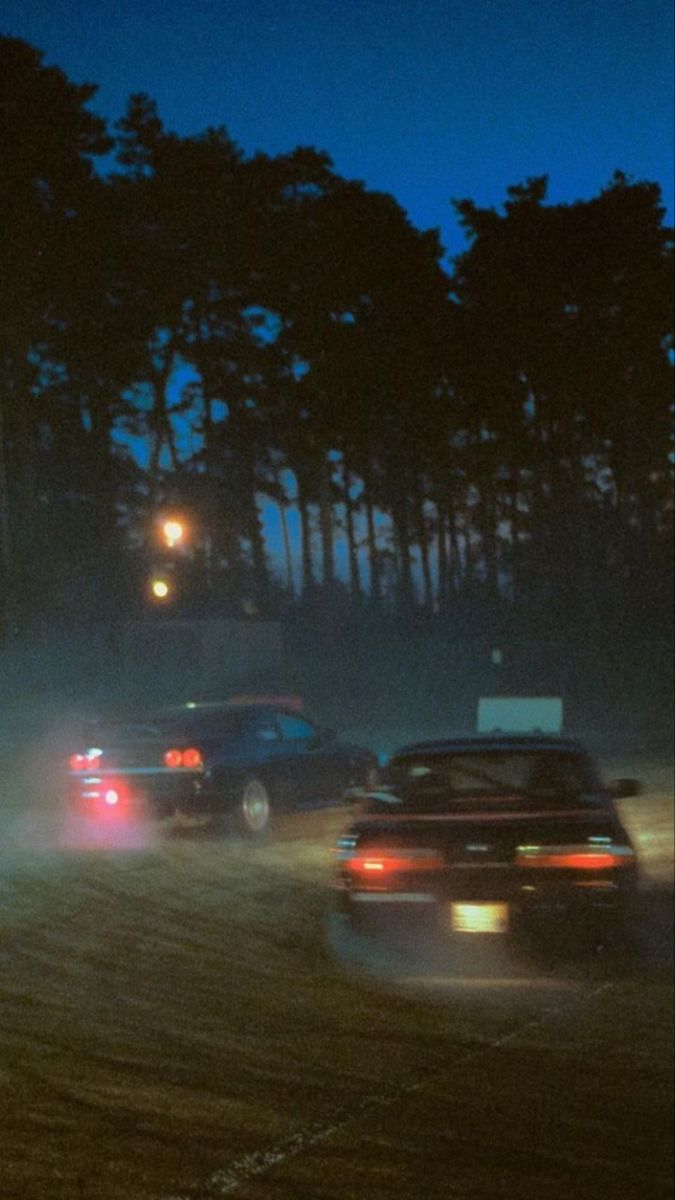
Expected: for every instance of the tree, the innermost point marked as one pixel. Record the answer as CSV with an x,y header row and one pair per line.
x,y
564,320
48,140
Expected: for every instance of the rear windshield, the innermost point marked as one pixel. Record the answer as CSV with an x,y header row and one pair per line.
x,y
433,781
190,723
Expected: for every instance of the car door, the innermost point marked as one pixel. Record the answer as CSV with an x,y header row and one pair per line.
x,y
317,765
277,759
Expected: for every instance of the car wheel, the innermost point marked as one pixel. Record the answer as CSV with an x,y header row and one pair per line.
x,y
254,810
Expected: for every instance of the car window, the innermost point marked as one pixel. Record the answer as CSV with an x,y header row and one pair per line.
x,y
266,729
217,724
295,729
439,780
185,721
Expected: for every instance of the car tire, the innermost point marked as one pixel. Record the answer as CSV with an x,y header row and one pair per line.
x,y
253,812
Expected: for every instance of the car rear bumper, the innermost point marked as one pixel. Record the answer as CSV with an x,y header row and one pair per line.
x,y
138,793
547,910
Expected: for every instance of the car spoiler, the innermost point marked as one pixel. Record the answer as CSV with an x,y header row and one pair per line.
x,y
279,700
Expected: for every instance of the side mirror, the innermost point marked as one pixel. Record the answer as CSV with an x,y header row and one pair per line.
x,y
323,737
623,789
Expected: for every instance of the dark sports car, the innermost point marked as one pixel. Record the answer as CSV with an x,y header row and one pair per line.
x,y
237,762
491,835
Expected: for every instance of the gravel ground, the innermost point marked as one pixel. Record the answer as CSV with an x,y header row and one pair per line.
x,y
170,1010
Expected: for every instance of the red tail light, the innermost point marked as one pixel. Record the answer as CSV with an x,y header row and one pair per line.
x,y
90,761
575,858
190,758
389,862
106,799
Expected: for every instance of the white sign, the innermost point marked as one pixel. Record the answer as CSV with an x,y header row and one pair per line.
x,y
520,714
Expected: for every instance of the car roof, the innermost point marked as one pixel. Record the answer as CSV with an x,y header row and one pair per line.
x,y
214,707
481,743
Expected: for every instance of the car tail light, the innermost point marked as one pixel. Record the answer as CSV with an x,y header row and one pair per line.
x,y
89,761
575,858
190,758
107,797
378,863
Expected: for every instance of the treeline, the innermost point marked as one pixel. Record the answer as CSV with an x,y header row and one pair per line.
x,y
251,339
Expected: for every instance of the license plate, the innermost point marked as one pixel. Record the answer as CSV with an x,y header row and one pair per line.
x,y
479,918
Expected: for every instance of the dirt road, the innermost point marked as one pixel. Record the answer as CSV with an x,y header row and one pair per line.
x,y
172,1016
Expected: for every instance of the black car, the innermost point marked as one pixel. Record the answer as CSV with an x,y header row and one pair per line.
x,y
238,761
498,835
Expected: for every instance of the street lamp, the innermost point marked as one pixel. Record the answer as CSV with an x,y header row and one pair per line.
x,y
161,588
173,532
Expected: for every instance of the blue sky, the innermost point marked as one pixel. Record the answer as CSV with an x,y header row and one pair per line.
x,y
426,99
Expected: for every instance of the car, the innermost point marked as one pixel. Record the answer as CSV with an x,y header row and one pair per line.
x,y
499,836
236,763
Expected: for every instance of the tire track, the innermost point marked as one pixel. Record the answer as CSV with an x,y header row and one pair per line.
x,y
226,1181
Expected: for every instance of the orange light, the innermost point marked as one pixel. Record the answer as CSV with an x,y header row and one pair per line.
x,y
579,860
173,531
391,863
173,758
160,589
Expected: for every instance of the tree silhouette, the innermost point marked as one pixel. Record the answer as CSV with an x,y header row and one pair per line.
x,y
48,140
493,446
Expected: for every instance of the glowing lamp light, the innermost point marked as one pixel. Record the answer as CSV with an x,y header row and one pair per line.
x,y
160,589
173,532
111,797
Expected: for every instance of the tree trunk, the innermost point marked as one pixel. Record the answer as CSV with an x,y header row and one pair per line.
x,y
6,589
487,518
373,553
442,560
245,448
158,418
308,580
326,523
423,541
456,569
354,572
406,590
286,538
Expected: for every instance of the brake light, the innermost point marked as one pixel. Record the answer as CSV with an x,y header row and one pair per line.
x,y
107,797
391,862
190,758
575,858
89,761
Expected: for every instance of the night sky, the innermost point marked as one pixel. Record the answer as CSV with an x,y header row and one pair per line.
x,y
426,99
